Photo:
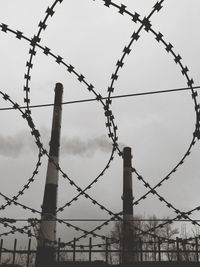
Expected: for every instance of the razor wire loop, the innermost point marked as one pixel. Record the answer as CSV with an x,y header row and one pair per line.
x,y
34,43
168,48
108,113
80,77
21,35
90,87
177,58
29,118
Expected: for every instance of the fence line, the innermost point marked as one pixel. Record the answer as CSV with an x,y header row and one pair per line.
x,y
154,251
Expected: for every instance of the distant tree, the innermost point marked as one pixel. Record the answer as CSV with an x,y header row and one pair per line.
x,y
187,247
116,239
146,241
169,233
151,241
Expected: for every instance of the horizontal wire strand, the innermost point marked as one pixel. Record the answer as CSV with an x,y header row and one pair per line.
x,y
112,97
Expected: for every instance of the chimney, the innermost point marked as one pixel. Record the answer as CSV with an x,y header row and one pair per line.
x,y
47,230
128,242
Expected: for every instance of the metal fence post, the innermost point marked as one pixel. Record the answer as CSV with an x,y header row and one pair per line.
x,y
28,253
74,250
58,251
159,250
14,251
1,246
141,250
90,249
155,250
177,249
197,249
107,250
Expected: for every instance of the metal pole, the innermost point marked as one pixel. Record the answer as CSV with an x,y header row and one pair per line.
x,y
14,251
90,249
141,250
197,249
58,250
74,250
178,249
1,246
28,253
129,244
107,250
159,249
45,255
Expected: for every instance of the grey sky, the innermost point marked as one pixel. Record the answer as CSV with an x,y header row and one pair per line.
x,y
159,128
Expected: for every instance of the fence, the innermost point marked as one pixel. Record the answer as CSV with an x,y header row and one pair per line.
x,y
178,251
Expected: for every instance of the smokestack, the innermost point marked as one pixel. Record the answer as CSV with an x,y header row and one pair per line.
x,y
47,231
128,245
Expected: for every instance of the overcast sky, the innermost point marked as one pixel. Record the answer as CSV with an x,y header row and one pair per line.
x,y
158,128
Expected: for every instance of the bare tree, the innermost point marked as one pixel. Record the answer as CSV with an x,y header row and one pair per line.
x,y
148,242
187,247
169,233
116,234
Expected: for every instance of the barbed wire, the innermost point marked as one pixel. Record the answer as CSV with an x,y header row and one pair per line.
x,y
110,124
90,87
79,195
34,43
80,77
177,58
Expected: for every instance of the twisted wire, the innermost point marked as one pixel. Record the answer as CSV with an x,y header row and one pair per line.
x,y
112,128
177,58
90,87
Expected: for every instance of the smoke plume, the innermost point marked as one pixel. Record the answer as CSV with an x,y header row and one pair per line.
x,y
22,142
86,148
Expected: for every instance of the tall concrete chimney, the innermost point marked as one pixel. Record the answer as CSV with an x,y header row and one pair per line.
x,y
128,242
47,231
